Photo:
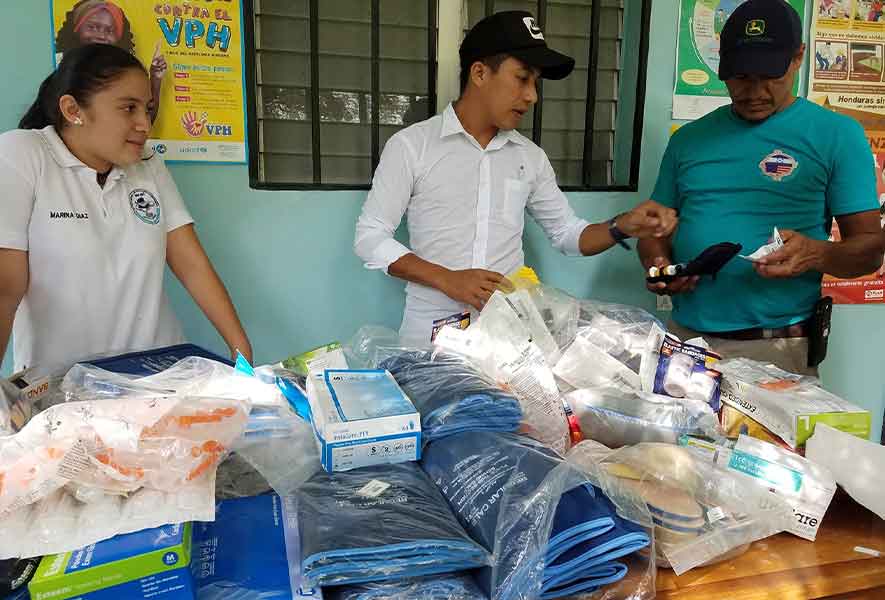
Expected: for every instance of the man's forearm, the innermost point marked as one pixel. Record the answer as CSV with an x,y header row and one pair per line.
x,y
650,249
855,257
417,270
594,239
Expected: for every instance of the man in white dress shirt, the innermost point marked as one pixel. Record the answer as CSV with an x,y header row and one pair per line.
x,y
465,179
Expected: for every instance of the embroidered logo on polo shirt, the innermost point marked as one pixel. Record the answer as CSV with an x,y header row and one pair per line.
x,y
778,165
145,206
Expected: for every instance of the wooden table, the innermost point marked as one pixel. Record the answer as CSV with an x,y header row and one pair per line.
x,y
785,567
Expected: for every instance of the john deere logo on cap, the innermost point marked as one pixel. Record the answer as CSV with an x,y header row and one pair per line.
x,y
755,27
534,30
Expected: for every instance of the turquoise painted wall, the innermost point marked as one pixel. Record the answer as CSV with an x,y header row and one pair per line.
x,y
286,256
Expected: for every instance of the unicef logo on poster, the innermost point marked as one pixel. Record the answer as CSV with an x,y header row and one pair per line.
x,y
145,206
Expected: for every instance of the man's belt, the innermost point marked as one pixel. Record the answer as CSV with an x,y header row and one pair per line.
x,y
798,330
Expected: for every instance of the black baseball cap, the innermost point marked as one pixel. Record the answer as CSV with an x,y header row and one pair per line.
x,y
516,33
760,38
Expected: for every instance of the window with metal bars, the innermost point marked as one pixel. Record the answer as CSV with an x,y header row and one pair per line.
x,y
330,82
590,123
367,68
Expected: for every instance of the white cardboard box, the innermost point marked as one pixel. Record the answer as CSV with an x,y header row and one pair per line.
x,y
362,418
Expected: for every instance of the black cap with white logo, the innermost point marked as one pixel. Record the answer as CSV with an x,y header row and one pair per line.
x,y
760,38
515,33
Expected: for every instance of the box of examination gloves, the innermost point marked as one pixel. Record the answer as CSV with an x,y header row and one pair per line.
x,y
786,404
146,564
362,418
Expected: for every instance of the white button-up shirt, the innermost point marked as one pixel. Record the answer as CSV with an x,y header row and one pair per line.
x,y
464,206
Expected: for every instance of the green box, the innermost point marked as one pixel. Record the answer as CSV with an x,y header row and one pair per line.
x,y
153,563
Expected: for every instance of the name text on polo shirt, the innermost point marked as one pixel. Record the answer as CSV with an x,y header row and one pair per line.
x,y
63,214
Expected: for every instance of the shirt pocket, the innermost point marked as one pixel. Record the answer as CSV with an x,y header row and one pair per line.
x,y
516,194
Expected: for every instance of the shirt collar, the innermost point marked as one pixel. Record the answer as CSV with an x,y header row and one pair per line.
x,y
451,125
65,158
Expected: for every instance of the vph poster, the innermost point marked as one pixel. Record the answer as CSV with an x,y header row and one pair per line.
x,y
698,90
846,48
193,50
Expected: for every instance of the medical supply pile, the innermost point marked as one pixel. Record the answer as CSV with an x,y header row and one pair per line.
x,y
555,448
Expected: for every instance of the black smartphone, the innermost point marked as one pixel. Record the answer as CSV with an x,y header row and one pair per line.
x,y
820,331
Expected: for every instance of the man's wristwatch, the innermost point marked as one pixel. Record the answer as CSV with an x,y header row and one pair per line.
x,y
617,235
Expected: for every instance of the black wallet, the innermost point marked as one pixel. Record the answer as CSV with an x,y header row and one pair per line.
x,y
708,262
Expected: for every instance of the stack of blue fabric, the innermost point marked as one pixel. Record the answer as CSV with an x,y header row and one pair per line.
x,y
452,396
379,523
440,587
476,471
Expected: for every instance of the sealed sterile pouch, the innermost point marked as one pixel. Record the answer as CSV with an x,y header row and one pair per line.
x,y
773,246
615,345
856,464
703,512
615,417
806,485
788,405
686,371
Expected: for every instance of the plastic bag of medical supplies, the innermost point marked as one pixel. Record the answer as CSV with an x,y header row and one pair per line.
x,y
785,404
615,345
502,347
703,513
82,471
616,417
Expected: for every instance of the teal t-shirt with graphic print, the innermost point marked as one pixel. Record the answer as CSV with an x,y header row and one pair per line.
x,y
734,181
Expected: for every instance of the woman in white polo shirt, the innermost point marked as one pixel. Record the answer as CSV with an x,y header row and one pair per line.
x,y
88,225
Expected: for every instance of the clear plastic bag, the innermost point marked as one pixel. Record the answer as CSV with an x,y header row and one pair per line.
x,y
615,345
559,311
703,513
158,449
640,582
616,417
521,370
372,344
285,461
440,587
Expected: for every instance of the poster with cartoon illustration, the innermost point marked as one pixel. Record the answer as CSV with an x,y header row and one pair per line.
x,y
848,39
698,90
193,52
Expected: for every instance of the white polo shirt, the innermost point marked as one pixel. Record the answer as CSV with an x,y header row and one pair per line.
x,y
465,207
97,255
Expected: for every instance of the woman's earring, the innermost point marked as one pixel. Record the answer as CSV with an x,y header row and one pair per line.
x,y
78,121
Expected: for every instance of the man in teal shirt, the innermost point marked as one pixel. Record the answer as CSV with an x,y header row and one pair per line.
x,y
768,160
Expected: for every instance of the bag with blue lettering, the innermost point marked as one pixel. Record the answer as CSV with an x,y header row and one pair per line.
x,y
379,523
551,531
451,395
244,554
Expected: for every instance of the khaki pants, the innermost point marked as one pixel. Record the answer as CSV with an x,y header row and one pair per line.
x,y
790,354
